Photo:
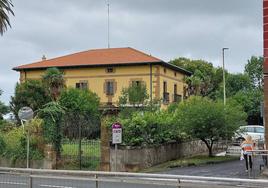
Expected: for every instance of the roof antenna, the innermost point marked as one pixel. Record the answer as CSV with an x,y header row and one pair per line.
x,y
108,7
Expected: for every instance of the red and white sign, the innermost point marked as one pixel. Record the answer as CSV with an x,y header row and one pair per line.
x,y
117,133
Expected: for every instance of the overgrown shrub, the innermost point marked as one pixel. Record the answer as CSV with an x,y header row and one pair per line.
x,y
15,142
149,128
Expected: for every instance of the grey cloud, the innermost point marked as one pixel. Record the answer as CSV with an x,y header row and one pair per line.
x,y
164,28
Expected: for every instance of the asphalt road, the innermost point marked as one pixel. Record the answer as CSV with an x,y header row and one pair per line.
x,y
233,169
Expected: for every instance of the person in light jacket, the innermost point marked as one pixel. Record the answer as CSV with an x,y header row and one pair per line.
x,y
247,146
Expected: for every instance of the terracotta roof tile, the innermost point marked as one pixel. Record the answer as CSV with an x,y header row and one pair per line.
x,y
108,56
100,57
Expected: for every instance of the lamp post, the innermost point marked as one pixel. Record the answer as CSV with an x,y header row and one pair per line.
x,y
223,74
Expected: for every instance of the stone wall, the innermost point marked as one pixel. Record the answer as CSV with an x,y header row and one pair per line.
x,y
4,162
131,159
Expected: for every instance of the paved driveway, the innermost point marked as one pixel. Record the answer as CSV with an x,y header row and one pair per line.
x,y
233,169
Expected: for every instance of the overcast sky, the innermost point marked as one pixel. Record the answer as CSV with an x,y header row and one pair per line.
x,y
166,29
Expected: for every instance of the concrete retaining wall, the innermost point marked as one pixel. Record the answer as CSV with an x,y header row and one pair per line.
x,y
131,159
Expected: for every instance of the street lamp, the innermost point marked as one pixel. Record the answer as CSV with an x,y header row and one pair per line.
x,y
223,74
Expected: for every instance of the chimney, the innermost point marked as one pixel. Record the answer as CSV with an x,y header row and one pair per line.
x,y
44,58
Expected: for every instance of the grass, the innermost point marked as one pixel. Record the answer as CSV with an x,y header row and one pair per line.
x,y
192,161
90,155
89,149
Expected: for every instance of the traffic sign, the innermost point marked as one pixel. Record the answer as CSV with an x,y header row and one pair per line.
x,y
117,133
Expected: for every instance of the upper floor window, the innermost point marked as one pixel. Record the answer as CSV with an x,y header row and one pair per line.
x,y
165,70
110,70
175,74
136,83
82,85
109,87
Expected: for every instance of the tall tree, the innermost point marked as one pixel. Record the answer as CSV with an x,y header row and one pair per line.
x,y
207,120
205,78
82,114
5,10
254,69
54,81
29,93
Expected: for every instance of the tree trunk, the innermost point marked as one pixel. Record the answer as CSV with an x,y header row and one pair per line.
x,y
209,146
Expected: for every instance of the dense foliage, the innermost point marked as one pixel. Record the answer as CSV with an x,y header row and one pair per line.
x,y
81,113
207,81
3,108
254,69
205,78
52,114
135,94
207,120
13,141
54,82
135,98
149,128
31,93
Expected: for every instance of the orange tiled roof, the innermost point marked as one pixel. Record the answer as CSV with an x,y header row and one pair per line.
x,y
98,57
108,56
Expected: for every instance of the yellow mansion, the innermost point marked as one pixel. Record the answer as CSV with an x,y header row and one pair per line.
x,y
107,71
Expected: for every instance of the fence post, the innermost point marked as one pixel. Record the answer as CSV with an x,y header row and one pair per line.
x,y
97,182
30,183
80,147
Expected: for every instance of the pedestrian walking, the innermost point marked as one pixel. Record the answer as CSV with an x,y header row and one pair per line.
x,y
247,146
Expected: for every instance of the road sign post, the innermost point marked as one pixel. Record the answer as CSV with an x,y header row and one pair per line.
x,y
116,138
25,114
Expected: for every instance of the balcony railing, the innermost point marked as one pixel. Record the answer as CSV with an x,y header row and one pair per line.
x,y
165,97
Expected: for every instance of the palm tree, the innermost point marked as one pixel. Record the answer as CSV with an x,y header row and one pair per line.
x,y
5,10
54,81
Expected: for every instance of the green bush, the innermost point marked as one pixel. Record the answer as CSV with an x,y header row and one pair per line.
x,y
149,128
14,142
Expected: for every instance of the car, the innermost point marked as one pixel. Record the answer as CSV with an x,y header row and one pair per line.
x,y
255,131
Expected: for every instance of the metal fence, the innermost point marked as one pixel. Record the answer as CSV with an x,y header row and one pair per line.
x,y
86,156
33,178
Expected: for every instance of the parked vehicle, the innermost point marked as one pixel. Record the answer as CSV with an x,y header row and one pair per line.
x,y
255,131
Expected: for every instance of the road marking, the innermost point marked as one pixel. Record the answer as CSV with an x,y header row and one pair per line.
x,y
55,186
12,183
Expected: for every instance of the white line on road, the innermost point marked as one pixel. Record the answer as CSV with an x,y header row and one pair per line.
x,y
55,186
12,183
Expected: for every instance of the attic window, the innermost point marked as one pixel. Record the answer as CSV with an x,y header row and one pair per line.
x,y
110,70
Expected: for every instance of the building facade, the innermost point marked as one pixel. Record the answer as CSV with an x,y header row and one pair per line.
x,y
107,71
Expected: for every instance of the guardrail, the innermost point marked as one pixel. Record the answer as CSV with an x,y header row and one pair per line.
x,y
33,178
255,154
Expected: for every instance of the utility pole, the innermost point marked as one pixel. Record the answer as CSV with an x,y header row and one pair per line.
x,y
223,74
108,29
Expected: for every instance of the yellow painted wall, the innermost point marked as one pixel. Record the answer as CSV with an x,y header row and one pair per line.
x,y
122,75
169,77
